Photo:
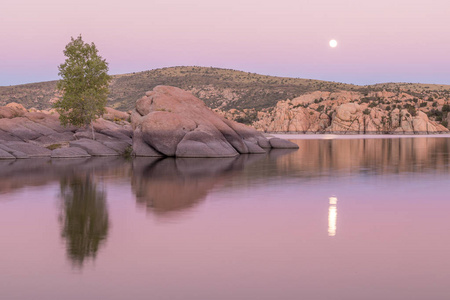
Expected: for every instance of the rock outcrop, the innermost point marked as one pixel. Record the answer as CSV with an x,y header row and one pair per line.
x,y
171,122
167,122
27,134
352,112
350,118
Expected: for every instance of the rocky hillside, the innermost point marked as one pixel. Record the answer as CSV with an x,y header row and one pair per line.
x,y
218,88
353,112
270,103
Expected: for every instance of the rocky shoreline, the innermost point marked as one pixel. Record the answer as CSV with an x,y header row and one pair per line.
x,y
369,133
167,122
28,134
345,112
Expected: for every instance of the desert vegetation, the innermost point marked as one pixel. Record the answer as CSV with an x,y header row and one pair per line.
x,y
249,97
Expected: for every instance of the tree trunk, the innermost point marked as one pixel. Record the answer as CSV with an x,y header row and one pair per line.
x,y
93,132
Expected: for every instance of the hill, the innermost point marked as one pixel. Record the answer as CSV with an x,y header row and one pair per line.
x,y
219,88
249,97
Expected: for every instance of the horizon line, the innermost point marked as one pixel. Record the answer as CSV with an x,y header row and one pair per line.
x,y
254,73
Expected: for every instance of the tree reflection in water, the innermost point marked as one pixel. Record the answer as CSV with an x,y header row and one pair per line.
x,y
84,218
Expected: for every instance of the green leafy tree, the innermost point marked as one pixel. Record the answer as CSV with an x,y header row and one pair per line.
x,y
84,84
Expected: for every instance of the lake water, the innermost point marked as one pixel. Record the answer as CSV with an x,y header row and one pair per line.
x,y
336,219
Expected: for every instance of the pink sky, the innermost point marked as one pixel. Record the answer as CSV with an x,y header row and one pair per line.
x,y
379,41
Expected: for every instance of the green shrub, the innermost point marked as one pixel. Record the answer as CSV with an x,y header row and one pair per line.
x,y
434,113
248,119
54,146
127,152
412,111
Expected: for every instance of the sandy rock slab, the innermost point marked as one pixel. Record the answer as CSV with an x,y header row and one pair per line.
x,y
6,155
69,152
13,152
171,122
25,134
278,143
29,149
94,148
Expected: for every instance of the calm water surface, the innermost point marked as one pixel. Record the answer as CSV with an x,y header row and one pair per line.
x,y
337,219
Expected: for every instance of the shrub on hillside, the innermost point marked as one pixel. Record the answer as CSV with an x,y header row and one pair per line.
x,y
412,111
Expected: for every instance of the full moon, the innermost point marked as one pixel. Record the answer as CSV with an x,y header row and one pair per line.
x,y
333,43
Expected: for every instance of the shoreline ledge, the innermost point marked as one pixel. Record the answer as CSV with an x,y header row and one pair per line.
x,y
167,122
340,136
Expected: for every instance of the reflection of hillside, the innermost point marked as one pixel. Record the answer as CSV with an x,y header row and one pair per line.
x,y
170,185
368,155
41,171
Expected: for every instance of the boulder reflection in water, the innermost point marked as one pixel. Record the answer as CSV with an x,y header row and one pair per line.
x,y
172,184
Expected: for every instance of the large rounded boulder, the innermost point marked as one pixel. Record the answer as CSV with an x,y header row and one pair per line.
x,y
169,121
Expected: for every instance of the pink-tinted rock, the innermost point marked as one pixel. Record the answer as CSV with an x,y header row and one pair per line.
x,y
6,155
12,110
141,148
164,130
6,136
16,106
282,144
202,142
94,148
49,120
16,128
176,123
345,112
115,115
254,148
29,149
118,146
117,135
55,138
15,153
69,152
27,134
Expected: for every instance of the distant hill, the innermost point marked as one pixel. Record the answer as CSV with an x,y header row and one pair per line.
x,y
219,88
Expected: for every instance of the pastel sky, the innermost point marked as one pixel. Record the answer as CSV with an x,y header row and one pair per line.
x,y
379,41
